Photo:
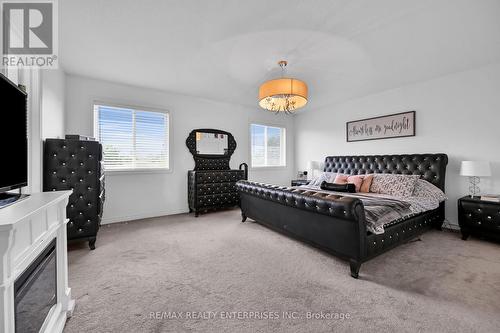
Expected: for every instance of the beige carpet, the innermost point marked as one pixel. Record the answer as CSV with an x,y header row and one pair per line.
x,y
215,263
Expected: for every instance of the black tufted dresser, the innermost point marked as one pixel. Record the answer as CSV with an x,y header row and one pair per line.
x,y
72,164
212,183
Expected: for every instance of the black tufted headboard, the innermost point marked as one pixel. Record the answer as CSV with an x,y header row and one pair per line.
x,y
431,167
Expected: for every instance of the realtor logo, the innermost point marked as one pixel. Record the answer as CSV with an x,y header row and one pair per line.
x,y
29,34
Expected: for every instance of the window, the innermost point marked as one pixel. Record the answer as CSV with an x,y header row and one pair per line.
x,y
267,146
132,139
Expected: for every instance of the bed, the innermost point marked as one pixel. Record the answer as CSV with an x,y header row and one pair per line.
x,y
338,225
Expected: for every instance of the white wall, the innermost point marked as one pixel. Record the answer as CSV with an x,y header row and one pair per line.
x,y
53,103
138,195
457,114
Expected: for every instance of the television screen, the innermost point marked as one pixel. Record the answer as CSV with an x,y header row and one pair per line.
x,y
13,136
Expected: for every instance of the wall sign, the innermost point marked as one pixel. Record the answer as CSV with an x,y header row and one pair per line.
x,y
384,127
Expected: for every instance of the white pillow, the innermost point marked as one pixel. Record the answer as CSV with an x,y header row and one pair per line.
x,y
395,185
424,189
324,176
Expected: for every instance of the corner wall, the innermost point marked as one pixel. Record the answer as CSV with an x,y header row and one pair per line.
x,y
53,102
458,114
140,195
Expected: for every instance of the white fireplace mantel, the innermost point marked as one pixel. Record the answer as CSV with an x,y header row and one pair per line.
x,y
26,229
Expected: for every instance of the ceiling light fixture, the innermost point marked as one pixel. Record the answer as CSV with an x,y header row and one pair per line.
x,y
283,95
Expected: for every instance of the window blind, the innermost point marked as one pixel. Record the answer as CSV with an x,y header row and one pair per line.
x,y
267,145
131,138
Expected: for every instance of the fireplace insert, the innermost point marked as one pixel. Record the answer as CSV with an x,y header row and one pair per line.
x,y
35,291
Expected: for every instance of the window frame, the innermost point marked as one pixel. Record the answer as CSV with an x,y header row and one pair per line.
x,y
283,149
136,107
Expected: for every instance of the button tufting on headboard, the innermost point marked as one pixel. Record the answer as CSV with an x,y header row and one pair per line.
x,y
431,167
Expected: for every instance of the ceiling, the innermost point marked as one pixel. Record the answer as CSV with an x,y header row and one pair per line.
x,y
223,49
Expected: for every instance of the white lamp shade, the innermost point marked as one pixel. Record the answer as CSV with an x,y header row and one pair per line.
x,y
475,169
313,165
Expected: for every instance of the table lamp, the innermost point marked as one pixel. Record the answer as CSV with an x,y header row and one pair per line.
x,y
312,166
474,170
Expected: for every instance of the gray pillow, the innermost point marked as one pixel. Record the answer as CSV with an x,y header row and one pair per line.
x,y
395,185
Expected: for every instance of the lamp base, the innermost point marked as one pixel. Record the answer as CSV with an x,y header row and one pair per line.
x,y
473,186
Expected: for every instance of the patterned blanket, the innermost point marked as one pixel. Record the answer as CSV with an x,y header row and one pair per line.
x,y
382,210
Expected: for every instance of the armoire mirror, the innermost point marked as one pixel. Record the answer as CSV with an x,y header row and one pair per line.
x,y
211,148
209,143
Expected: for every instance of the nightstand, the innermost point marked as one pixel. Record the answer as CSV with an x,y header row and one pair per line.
x,y
479,217
298,182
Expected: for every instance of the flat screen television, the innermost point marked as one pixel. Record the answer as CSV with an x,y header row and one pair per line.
x,y
13,137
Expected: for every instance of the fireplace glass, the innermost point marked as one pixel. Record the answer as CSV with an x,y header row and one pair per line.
x,y
35,291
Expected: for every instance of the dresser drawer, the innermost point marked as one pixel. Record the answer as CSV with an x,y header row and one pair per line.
x,y
220,200
216,188
484,218
219,176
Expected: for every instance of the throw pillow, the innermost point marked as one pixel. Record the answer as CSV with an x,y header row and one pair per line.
x,y
346,179
367,182
395,185
349,188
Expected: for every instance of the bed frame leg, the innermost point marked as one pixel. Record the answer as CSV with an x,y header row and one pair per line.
x,y
92,241
355,265
243,217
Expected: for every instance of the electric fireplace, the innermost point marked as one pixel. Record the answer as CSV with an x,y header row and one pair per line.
x,y
34,291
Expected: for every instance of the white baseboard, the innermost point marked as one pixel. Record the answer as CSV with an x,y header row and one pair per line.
x,y
140,216
451,225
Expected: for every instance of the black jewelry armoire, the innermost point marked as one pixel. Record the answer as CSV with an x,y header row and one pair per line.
x,y
76,164
212,184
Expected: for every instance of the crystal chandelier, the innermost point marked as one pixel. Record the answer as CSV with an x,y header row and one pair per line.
x,y
283,95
